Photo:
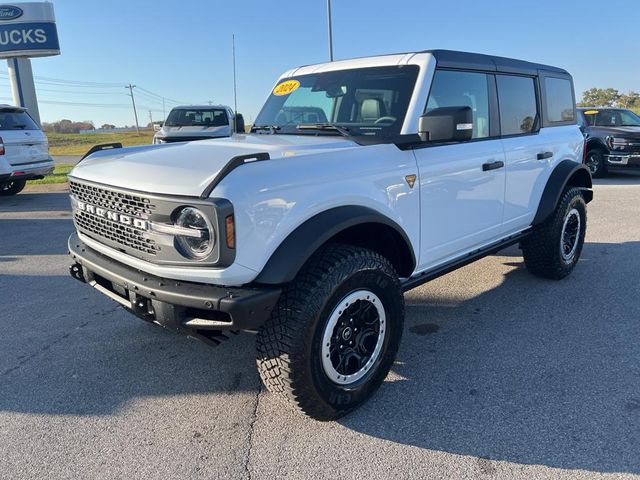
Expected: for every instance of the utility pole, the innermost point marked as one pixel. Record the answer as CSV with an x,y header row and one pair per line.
x,y
151,118
164,113
235,92
133,101
330,32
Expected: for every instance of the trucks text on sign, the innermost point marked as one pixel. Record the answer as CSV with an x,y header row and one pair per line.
x,y
28,30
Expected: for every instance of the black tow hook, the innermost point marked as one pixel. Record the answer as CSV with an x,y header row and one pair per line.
x,y
76,272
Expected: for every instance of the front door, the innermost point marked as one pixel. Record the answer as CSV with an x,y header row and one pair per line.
x,y
462,184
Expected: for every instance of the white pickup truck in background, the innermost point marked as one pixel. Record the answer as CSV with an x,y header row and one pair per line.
x,y
198,122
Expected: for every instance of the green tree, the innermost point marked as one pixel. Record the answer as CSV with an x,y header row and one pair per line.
x,y
629,100
599,97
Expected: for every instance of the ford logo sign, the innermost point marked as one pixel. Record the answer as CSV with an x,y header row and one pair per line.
x,y
9,12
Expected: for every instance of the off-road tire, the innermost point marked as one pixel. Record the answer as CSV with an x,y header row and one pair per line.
x,y
542,249
289,345
12,187
596,155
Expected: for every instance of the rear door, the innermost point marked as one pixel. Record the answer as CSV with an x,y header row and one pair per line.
x,y
532,152
24,142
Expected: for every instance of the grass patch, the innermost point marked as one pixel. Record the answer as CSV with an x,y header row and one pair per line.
x,y
80,143
59,175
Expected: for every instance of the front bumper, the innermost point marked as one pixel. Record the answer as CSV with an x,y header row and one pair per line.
x,y
623,159
192,138
195,309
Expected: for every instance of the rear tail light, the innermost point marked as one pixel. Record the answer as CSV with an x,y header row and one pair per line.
x,y
1,146
584,152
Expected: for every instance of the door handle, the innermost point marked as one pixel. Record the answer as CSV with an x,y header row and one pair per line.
x,y
492,165
545,155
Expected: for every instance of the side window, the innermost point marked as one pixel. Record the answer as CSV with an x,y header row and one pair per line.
x,y
462,89
518,107
558,100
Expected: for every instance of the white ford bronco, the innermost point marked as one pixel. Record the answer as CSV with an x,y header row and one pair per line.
x,y
360,180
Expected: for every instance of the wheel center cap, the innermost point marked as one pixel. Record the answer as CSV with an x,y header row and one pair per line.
x,y
346,333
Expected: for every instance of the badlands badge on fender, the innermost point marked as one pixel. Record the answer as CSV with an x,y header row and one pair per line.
x,y
285,88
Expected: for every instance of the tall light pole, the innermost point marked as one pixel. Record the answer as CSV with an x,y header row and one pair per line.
x,y
235,88
133,101
330,32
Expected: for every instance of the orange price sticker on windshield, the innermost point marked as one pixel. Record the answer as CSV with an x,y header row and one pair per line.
x,y
591,112
285,88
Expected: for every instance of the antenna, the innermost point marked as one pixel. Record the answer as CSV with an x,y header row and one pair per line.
x,y
235,90
330,33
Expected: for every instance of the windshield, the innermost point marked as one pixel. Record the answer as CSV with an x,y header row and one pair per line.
x,y
16,120
197,117
365,101
611,118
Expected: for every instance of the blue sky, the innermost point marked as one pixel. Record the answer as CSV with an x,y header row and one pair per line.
x,y
182,49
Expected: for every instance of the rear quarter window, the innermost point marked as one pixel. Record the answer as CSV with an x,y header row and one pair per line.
x,y
559,104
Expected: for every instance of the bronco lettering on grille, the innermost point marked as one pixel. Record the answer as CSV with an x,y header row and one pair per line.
x,y
113,216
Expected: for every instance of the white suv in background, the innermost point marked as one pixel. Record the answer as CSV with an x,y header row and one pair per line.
x,y
24,150
198,122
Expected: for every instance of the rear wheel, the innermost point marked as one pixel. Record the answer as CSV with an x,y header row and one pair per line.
x,y
596,163
554,247
334,334
12,187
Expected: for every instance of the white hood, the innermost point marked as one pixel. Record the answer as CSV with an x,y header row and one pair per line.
x,y
188,168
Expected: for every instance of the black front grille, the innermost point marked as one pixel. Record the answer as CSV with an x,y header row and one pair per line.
x,y
126,203
122,235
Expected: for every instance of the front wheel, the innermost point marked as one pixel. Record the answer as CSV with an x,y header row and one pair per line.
x,y
553,248
596,163
12,187
335,332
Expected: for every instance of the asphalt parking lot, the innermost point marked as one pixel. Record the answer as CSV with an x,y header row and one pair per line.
x,y
500,374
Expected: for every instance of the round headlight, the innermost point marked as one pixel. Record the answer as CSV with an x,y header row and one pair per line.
x,y
199,244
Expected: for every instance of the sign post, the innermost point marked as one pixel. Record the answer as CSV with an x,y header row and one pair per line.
x,y
27,30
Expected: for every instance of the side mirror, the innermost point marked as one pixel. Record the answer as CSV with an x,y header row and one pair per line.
x,y
239,123
157,127
446,124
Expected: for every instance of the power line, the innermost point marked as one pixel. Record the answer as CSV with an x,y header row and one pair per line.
x,y
79,83
66,87
161,96
82,104
70,92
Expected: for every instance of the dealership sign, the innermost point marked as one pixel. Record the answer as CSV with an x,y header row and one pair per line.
x,y
28,30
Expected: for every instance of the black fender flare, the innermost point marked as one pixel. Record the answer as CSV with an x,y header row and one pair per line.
x,y
567,172
307,238
597,142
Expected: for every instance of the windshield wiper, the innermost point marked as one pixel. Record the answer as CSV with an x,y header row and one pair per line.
x,y
271,128
21,127
344,131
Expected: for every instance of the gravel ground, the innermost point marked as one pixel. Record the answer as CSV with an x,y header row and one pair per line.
x,y
500,374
